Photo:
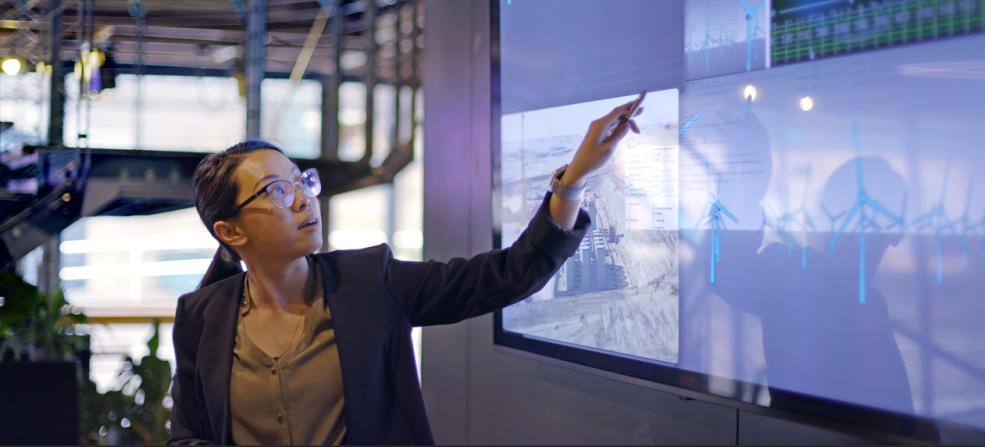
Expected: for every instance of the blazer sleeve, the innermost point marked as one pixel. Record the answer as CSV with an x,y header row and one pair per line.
x,y
435,292
188,426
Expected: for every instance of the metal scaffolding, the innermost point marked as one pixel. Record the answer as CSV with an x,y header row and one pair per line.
x,y
269,38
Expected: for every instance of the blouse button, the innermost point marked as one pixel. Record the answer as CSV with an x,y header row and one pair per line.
x,y
273,371
280,417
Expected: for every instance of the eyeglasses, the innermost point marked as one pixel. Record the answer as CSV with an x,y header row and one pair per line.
x,y
281,192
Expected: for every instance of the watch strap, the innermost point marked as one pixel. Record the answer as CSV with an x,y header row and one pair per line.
x,y
564,191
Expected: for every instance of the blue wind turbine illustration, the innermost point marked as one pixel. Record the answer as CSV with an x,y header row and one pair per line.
x,y
717,213
970,228
938,220
863,215
797,221
981,236
833,218
710,42
751,27
687,124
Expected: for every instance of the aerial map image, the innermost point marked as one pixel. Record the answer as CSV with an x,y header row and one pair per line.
x,y
619,292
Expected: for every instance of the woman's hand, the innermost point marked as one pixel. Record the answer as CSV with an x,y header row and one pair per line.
x,y
599,144
596,149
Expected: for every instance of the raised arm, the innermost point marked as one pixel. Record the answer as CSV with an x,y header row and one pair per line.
x,y
445,292
436,292
596,149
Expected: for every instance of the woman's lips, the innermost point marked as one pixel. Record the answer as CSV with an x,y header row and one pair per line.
x,y
308,223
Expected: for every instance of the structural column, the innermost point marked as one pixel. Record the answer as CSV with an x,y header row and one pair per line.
x,y
56,97
255,56
50,258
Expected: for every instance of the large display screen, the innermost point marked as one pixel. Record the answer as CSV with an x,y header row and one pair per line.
x,y
800,224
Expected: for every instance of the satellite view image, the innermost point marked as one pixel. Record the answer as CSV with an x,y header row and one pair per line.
x,y
619,292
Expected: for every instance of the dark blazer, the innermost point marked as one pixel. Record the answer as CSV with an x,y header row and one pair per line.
x,y
374,301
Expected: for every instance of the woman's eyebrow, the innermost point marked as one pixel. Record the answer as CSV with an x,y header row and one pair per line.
x,y
264,178
273,176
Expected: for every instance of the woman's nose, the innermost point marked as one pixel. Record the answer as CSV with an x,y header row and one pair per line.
x,y
301,200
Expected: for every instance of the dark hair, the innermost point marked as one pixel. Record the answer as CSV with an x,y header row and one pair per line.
x,y
215,190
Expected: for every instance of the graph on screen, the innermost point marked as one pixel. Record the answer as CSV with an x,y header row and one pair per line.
x,y
808,30
725,36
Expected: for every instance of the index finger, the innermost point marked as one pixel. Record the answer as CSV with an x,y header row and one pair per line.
x,y
605,121
619,111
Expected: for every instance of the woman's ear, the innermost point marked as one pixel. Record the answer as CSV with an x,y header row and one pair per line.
x,y
229,233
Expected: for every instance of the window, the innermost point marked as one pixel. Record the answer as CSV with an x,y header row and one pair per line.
x,y
181,113
291,116
135,264
24,102
127,271
352,121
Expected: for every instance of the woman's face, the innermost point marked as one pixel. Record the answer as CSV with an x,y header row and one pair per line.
x,y
273,232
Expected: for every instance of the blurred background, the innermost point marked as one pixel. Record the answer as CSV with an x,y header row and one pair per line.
x,y
106,106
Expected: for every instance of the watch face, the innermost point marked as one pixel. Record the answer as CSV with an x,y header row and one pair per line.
x,y
565,192
556,177
560,171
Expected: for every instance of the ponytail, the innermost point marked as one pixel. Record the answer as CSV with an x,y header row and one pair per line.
x,y
214,191
224,264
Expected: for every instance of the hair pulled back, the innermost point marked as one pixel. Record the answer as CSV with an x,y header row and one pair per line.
x,y
214,189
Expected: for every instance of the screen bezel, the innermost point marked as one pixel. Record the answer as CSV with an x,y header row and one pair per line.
x,y
859,420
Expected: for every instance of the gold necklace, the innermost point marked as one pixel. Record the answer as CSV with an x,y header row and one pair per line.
x,y
304,316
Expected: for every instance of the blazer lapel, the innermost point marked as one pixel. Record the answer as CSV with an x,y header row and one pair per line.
x,y
215,354
336,308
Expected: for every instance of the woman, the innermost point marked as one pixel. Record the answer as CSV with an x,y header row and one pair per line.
x,y
315,349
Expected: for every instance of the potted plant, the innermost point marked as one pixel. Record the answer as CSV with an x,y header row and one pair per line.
x,y
138,409
48,396
40,353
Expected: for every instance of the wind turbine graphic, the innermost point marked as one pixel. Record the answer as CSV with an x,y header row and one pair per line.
x,y
800,219
937,218
717,212
981,236
863,213
710,43
751,27
969,228
687,124
833,218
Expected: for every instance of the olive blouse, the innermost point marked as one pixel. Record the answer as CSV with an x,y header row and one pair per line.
x,y
292,399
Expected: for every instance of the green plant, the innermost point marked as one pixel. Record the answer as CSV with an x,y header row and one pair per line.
x,y
33,328
135,412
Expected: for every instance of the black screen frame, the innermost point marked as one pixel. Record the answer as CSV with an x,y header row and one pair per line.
x,y
863,421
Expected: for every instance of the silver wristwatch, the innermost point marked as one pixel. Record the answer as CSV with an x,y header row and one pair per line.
x,y
564,191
